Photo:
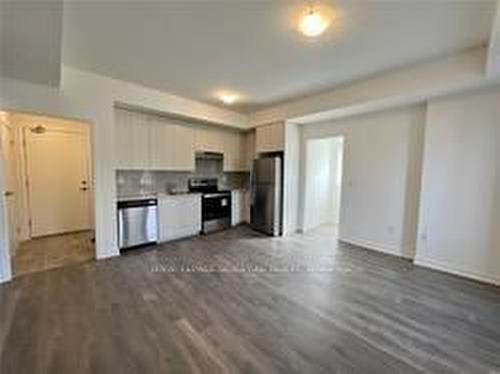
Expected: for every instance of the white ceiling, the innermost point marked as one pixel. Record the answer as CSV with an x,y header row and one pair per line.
x,y
194,48
30,40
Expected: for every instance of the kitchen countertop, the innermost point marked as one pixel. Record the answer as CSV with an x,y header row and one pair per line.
x,y
145,196
156,195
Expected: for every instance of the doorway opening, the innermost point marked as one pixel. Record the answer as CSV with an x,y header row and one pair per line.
x,y
48,193
323,183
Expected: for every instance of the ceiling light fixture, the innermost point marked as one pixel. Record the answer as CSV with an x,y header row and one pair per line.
x,y
313,23
228,98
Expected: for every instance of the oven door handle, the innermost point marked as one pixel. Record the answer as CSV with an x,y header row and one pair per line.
x,y
215,194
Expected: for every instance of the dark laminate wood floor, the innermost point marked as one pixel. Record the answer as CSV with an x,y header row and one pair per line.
x,y
324,308
52,252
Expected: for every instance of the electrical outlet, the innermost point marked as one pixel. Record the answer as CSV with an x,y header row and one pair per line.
x,y
390,229
423,236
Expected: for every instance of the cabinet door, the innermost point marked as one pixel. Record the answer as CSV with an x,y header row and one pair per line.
x,y
235,208
229,151
184,148
133,140
249,150
141,149
179,216
124,140
261,138
239,152
270,138
240,208
209,140
162,141
234,151
204,140
167,209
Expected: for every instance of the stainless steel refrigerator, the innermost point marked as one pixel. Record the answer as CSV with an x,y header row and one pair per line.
x,y
267,195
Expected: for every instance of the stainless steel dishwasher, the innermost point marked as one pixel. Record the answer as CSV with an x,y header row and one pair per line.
x,y
137,222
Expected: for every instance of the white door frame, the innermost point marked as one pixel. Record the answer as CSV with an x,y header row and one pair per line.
x,y
5,260
6,272
305,173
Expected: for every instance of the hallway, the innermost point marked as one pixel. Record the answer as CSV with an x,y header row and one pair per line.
x,y
53,252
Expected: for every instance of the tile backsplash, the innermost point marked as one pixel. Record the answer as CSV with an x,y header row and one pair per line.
x,y
145,182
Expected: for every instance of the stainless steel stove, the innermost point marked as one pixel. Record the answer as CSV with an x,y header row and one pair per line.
x,y
215,204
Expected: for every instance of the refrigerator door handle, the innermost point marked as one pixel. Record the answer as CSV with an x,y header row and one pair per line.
x,y
252,185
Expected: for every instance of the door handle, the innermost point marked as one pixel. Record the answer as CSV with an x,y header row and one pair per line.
x,y
8,193
83,188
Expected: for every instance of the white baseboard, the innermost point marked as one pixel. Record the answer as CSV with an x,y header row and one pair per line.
x,y
394,251
453,269
425,262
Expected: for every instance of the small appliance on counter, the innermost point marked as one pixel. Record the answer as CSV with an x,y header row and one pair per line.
x,y
266,206
215,204
137,222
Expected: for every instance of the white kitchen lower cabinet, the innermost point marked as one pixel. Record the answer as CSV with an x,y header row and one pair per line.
x,y
240,207
179,216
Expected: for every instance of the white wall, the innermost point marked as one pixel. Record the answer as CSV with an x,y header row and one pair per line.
x,y
291,178
321,189
337,161
380,150
459,224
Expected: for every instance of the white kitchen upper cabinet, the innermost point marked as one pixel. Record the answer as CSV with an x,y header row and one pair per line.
x,y
172,146
132,140
148,142
249,149
240,152
184,150
162,141
209,140
233,151
179,216
229,142
123,136
270,138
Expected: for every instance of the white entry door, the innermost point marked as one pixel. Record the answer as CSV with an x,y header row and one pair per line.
x,y
58,181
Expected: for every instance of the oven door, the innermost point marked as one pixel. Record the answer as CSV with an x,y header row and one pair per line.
x,y
216,212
